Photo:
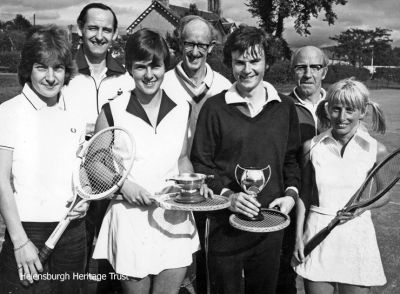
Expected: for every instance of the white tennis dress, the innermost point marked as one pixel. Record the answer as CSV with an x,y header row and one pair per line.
x,y
145,240
350,253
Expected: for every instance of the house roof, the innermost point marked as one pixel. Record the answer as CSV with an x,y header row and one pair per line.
x,y
167,12
174,13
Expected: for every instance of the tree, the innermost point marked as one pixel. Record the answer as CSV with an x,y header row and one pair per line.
x,y
272,13
360,46
21,23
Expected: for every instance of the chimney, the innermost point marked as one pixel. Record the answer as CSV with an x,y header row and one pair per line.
x,y
214,6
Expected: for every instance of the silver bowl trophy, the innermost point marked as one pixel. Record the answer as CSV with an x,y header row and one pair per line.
x,y
252,180
189,184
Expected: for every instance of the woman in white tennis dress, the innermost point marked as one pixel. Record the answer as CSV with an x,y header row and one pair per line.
x,y
340,159
149,245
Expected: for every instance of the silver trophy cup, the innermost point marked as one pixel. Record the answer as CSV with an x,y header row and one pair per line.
x,y
252,180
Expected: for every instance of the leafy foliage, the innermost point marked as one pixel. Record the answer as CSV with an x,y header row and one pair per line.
x,y
359,45
272,13
18,23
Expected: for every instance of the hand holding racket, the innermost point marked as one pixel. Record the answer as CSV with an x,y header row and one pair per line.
x,y
245,204
102,166
380,180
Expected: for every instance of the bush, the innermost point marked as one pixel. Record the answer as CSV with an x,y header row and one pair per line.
x,y
216,61
338,72
10,60
279,73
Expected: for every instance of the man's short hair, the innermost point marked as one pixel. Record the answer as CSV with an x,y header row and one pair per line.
x,y
242,39
325,59
83,15
44,43
188,19
146,44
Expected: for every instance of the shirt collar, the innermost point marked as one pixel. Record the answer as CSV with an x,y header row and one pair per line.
x,y
361,137
208,79
303,102
38,103
232,95
114,68
135,108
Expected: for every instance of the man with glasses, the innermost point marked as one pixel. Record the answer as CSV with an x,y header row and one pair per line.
x,y
309,66
194,79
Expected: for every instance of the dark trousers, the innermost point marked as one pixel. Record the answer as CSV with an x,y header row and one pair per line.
x,y
287,276
200,259
66,261
94,218
254,271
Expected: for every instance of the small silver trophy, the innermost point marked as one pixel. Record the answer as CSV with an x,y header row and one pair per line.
x,y
252,180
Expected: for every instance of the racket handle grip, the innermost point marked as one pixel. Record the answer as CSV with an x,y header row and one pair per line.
x,y
53,239
319,237
44,254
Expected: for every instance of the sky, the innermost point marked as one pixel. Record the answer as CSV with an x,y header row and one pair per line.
x,y
364,14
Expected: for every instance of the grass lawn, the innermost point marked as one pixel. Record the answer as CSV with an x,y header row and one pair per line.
x,y
386,219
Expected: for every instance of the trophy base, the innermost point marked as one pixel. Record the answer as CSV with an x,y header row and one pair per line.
x,y
189,198
259,217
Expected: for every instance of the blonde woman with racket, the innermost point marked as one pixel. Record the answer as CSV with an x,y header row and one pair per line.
x,y
151,247
39,135
336,163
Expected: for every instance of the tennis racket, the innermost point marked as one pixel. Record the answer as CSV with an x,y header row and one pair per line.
x,y
103,163
273,220
380,180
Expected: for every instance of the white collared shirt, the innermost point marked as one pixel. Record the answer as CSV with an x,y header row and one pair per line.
x,y
44,141
232,96
207,81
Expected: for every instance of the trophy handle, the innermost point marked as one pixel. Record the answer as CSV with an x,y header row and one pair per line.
x,y
266,177
236,168
268,169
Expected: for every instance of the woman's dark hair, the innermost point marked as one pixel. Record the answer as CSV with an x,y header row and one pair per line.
x,y
83,15
146,44
245,38
44,44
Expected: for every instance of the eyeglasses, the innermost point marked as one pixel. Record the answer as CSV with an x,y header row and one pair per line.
x,y
189,46
302,68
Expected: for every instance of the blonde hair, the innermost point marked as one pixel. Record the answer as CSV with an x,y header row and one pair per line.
x,y
354,94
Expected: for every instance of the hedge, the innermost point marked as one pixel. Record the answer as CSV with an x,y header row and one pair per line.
x,y
338,72
10,60
388,74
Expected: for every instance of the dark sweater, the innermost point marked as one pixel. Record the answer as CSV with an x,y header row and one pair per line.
x,y
226,137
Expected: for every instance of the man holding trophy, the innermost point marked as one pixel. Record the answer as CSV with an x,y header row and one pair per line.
x,y
247,137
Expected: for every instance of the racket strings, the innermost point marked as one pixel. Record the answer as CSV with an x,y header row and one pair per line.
x,y
382,178
271,219
103,164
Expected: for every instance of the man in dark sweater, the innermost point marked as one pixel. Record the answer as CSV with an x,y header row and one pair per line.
x,y
309,65
252,125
